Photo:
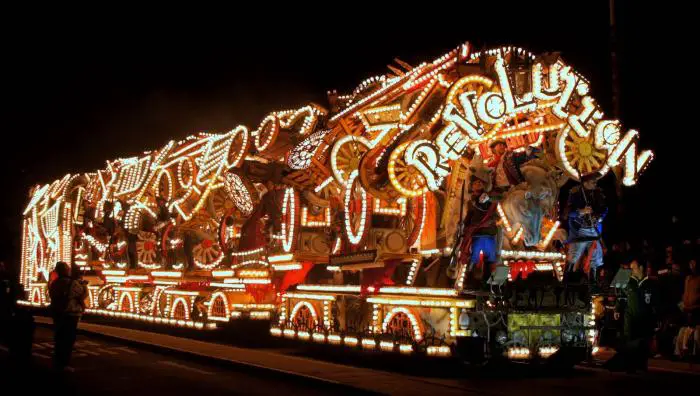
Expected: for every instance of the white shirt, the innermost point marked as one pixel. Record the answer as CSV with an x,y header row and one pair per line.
x,y
501,178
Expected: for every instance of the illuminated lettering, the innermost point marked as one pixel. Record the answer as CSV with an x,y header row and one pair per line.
x,y
491,108
590,114
451,142
607,134
513,105
552,90
633,164
466,121
571,82
423,155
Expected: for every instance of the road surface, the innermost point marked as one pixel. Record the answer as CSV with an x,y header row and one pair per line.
x,y
106,367
101,367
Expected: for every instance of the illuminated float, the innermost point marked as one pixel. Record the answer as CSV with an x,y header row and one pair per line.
x,y
342,226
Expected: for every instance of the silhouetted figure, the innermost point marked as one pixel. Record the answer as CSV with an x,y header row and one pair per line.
x,y
5,303
16,324
5,293
68,294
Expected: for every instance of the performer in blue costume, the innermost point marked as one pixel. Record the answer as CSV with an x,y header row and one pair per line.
x,y
586,210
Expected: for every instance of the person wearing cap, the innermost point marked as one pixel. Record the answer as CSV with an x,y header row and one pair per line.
x,y
480,223
506,165
585,211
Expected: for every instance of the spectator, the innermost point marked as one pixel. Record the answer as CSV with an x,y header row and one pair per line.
x,y
670,317
16,325
639,318
6,305
671,288
5,292
691,294
67,305
669,259
677,282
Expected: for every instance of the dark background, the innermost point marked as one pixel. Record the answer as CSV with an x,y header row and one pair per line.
x,y
78,91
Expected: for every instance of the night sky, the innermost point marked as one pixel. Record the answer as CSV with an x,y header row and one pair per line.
x,y
77,93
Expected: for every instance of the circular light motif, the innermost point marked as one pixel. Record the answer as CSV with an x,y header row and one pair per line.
x,y
607,134
147,250
164,185
414,228
301,155
207,254
289,223
240,140
406,179
185,173
579,155
354,237
239,193
346,155
266,132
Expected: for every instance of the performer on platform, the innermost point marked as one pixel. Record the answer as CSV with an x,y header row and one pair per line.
x,y
506,165
585,211
480,224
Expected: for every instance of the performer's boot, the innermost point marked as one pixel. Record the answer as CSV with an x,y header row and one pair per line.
x,y
568,289
567,273
486,275
593,281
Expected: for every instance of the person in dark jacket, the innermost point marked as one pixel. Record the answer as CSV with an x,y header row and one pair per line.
x,y
67,295
639,309
585,211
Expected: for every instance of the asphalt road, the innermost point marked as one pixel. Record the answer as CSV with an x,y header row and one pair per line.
x,y
523,379
101,367
106,367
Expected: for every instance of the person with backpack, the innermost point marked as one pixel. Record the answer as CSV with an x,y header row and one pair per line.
x,y
68,293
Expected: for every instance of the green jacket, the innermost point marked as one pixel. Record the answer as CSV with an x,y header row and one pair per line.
x,y
640,308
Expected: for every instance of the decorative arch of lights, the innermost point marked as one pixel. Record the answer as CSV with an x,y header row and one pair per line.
x,y
180,301
218,296
127,296
415,325
306,304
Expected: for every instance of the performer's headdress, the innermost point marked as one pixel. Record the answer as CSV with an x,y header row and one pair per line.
x,y
497,141
479,171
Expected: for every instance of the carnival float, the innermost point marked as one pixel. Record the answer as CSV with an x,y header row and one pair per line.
x,y
418,214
